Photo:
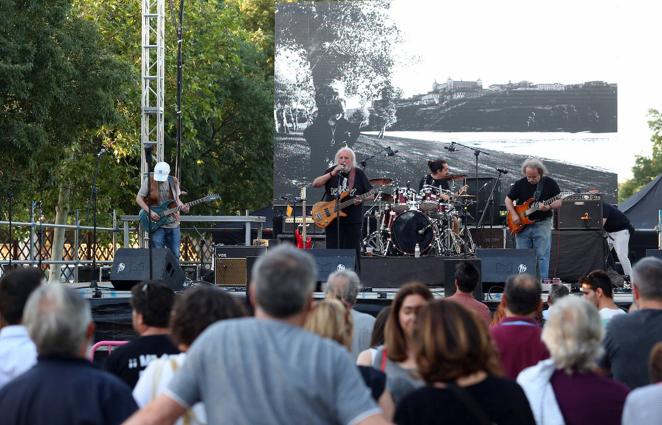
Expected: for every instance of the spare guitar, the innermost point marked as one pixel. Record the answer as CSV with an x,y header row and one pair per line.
x,y
528,208
324,212
301,236
166,214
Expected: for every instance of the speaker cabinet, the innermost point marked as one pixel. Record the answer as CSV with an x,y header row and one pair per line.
x,y
131,266
498,264
481,187
331,260
489,238
580,215
238,251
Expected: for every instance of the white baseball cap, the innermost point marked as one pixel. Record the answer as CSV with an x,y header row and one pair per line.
x,y
161,171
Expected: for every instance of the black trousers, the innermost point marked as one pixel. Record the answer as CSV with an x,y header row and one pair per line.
x,y
350,236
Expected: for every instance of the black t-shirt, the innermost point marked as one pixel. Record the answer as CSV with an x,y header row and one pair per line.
x,y
361,186
503,401
428,180
521,191
616,220
129,360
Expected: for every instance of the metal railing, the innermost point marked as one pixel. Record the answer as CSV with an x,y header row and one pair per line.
x,y
32,243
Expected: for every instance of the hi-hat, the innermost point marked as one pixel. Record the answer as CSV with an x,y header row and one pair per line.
x,y
384,181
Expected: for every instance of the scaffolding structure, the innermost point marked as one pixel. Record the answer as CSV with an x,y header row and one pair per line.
x,y
152,78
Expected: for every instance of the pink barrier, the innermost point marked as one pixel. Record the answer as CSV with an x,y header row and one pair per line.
x,y
109,344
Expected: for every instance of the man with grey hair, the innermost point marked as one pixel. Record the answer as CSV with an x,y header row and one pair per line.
x,y
536,185
268,369
63,387
345,285
630,337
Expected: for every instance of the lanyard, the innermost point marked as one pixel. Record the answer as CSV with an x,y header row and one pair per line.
x,y
519,323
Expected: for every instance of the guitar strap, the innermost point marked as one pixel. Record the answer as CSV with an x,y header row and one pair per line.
x,y
538,193
352,177
171,183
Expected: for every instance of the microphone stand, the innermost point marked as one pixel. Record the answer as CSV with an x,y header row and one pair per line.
x,y
338,213
477,153
10,203
148,161
364,163
96,292
490,201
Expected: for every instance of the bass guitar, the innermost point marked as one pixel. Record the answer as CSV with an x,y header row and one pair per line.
x,y
526,209
166,214
324,212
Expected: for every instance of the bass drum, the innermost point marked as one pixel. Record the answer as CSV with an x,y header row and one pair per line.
x,y
409,228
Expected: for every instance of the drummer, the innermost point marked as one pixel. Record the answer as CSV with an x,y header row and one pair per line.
x,y
439,177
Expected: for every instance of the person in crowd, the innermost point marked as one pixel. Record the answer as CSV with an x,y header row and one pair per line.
x,y
618,228
331,319
17,351
396,358
459,364
345,285
556,292
344,177
377,336
644,405
63,387
467,278
154,191
597,289
500,312
267,368
151,303
517,337
193,312
537,185
630,337
565,388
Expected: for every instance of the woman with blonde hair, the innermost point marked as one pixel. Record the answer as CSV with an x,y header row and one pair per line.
x,y
331,319
565,388
396,358
459,364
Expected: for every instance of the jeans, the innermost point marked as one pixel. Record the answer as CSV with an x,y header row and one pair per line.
x,y
168,238
539,237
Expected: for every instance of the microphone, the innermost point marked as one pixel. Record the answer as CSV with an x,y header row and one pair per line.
x,y
390,152
101,152
502,170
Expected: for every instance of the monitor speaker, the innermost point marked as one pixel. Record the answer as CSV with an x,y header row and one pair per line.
x,y
498,264
131,266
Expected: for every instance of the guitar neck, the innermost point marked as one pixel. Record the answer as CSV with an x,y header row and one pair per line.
x,y
188,204
351,201
552,199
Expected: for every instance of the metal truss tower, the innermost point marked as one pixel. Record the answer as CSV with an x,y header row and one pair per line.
x,y
152,78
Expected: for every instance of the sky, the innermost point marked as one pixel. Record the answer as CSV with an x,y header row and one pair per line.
x,y
542,42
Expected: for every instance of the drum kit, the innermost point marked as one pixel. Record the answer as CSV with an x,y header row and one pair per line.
x,y
432,218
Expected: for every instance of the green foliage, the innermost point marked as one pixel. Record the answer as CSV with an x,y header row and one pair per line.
x,y
646,168
70,73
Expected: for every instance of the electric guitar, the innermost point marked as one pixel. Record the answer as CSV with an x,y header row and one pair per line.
x,y
324,212
165,213
526,209
301,236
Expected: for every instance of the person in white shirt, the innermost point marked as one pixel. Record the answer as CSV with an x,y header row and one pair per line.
x,y
597,289
17,351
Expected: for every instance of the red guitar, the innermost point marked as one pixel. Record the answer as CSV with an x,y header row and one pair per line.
x,y
301,237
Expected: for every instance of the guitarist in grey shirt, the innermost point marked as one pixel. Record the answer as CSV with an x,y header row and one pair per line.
x,y
538,185
162,191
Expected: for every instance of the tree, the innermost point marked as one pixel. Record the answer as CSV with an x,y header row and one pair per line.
x,y
646,168
345,43
384,109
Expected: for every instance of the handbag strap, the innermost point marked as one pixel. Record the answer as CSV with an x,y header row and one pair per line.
x,y
470,403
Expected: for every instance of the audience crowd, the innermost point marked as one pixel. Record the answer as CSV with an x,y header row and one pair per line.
x,y
197,360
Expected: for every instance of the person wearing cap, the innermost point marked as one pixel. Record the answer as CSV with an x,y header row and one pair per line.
x,y
162,187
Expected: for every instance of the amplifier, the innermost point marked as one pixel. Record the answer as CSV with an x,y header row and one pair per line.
x,y
288,226
233,271
238,251
580,214
489,238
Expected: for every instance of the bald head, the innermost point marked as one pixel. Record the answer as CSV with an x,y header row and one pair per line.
x,y
522,292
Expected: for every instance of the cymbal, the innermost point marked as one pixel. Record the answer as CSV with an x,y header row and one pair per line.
x,y
465,196
386,197
383,181
455,177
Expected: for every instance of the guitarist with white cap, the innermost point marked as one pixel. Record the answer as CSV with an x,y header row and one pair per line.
x,y
159,188
537,186
345,177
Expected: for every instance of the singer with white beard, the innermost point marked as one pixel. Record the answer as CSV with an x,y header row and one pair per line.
x,y
344,176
